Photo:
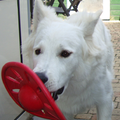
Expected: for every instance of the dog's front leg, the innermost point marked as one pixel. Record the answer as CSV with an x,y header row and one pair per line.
x,y
104,111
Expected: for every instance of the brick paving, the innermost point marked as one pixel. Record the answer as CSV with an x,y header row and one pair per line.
x,y
90,114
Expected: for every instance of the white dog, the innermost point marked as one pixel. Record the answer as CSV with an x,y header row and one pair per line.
x,y
74,58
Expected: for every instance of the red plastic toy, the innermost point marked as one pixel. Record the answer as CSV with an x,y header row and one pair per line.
x,y
28,91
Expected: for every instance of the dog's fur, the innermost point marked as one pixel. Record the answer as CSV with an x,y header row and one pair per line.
x,y
86,73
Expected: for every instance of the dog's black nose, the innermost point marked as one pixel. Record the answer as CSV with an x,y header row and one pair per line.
x,y
42,77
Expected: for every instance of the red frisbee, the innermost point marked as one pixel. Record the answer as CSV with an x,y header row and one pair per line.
x,y
28,91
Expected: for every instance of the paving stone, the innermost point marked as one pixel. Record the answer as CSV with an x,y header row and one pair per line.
x,y
115,81
117,94
115,117
114,98
116,89
115,105
116,112
116,86
83,116
117,99
92,111
117,73
118,106
94,117
118,77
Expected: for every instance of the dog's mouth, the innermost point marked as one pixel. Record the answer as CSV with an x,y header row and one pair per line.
x,y
44,79
57,93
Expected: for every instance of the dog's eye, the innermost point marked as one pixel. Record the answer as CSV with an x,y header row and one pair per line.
x,y
65,53
37,52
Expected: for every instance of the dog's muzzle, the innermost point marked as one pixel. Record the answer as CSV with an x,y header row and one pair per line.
x,y
44,79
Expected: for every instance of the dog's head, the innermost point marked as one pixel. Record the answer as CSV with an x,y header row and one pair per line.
x,y
56,47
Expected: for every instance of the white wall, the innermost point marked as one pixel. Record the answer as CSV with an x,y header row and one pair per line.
x,y
10,49
91,5
94,5
106,10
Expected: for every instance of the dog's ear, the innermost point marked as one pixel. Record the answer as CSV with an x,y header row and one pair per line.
x,y
85,21
40,12
88,23
88,27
